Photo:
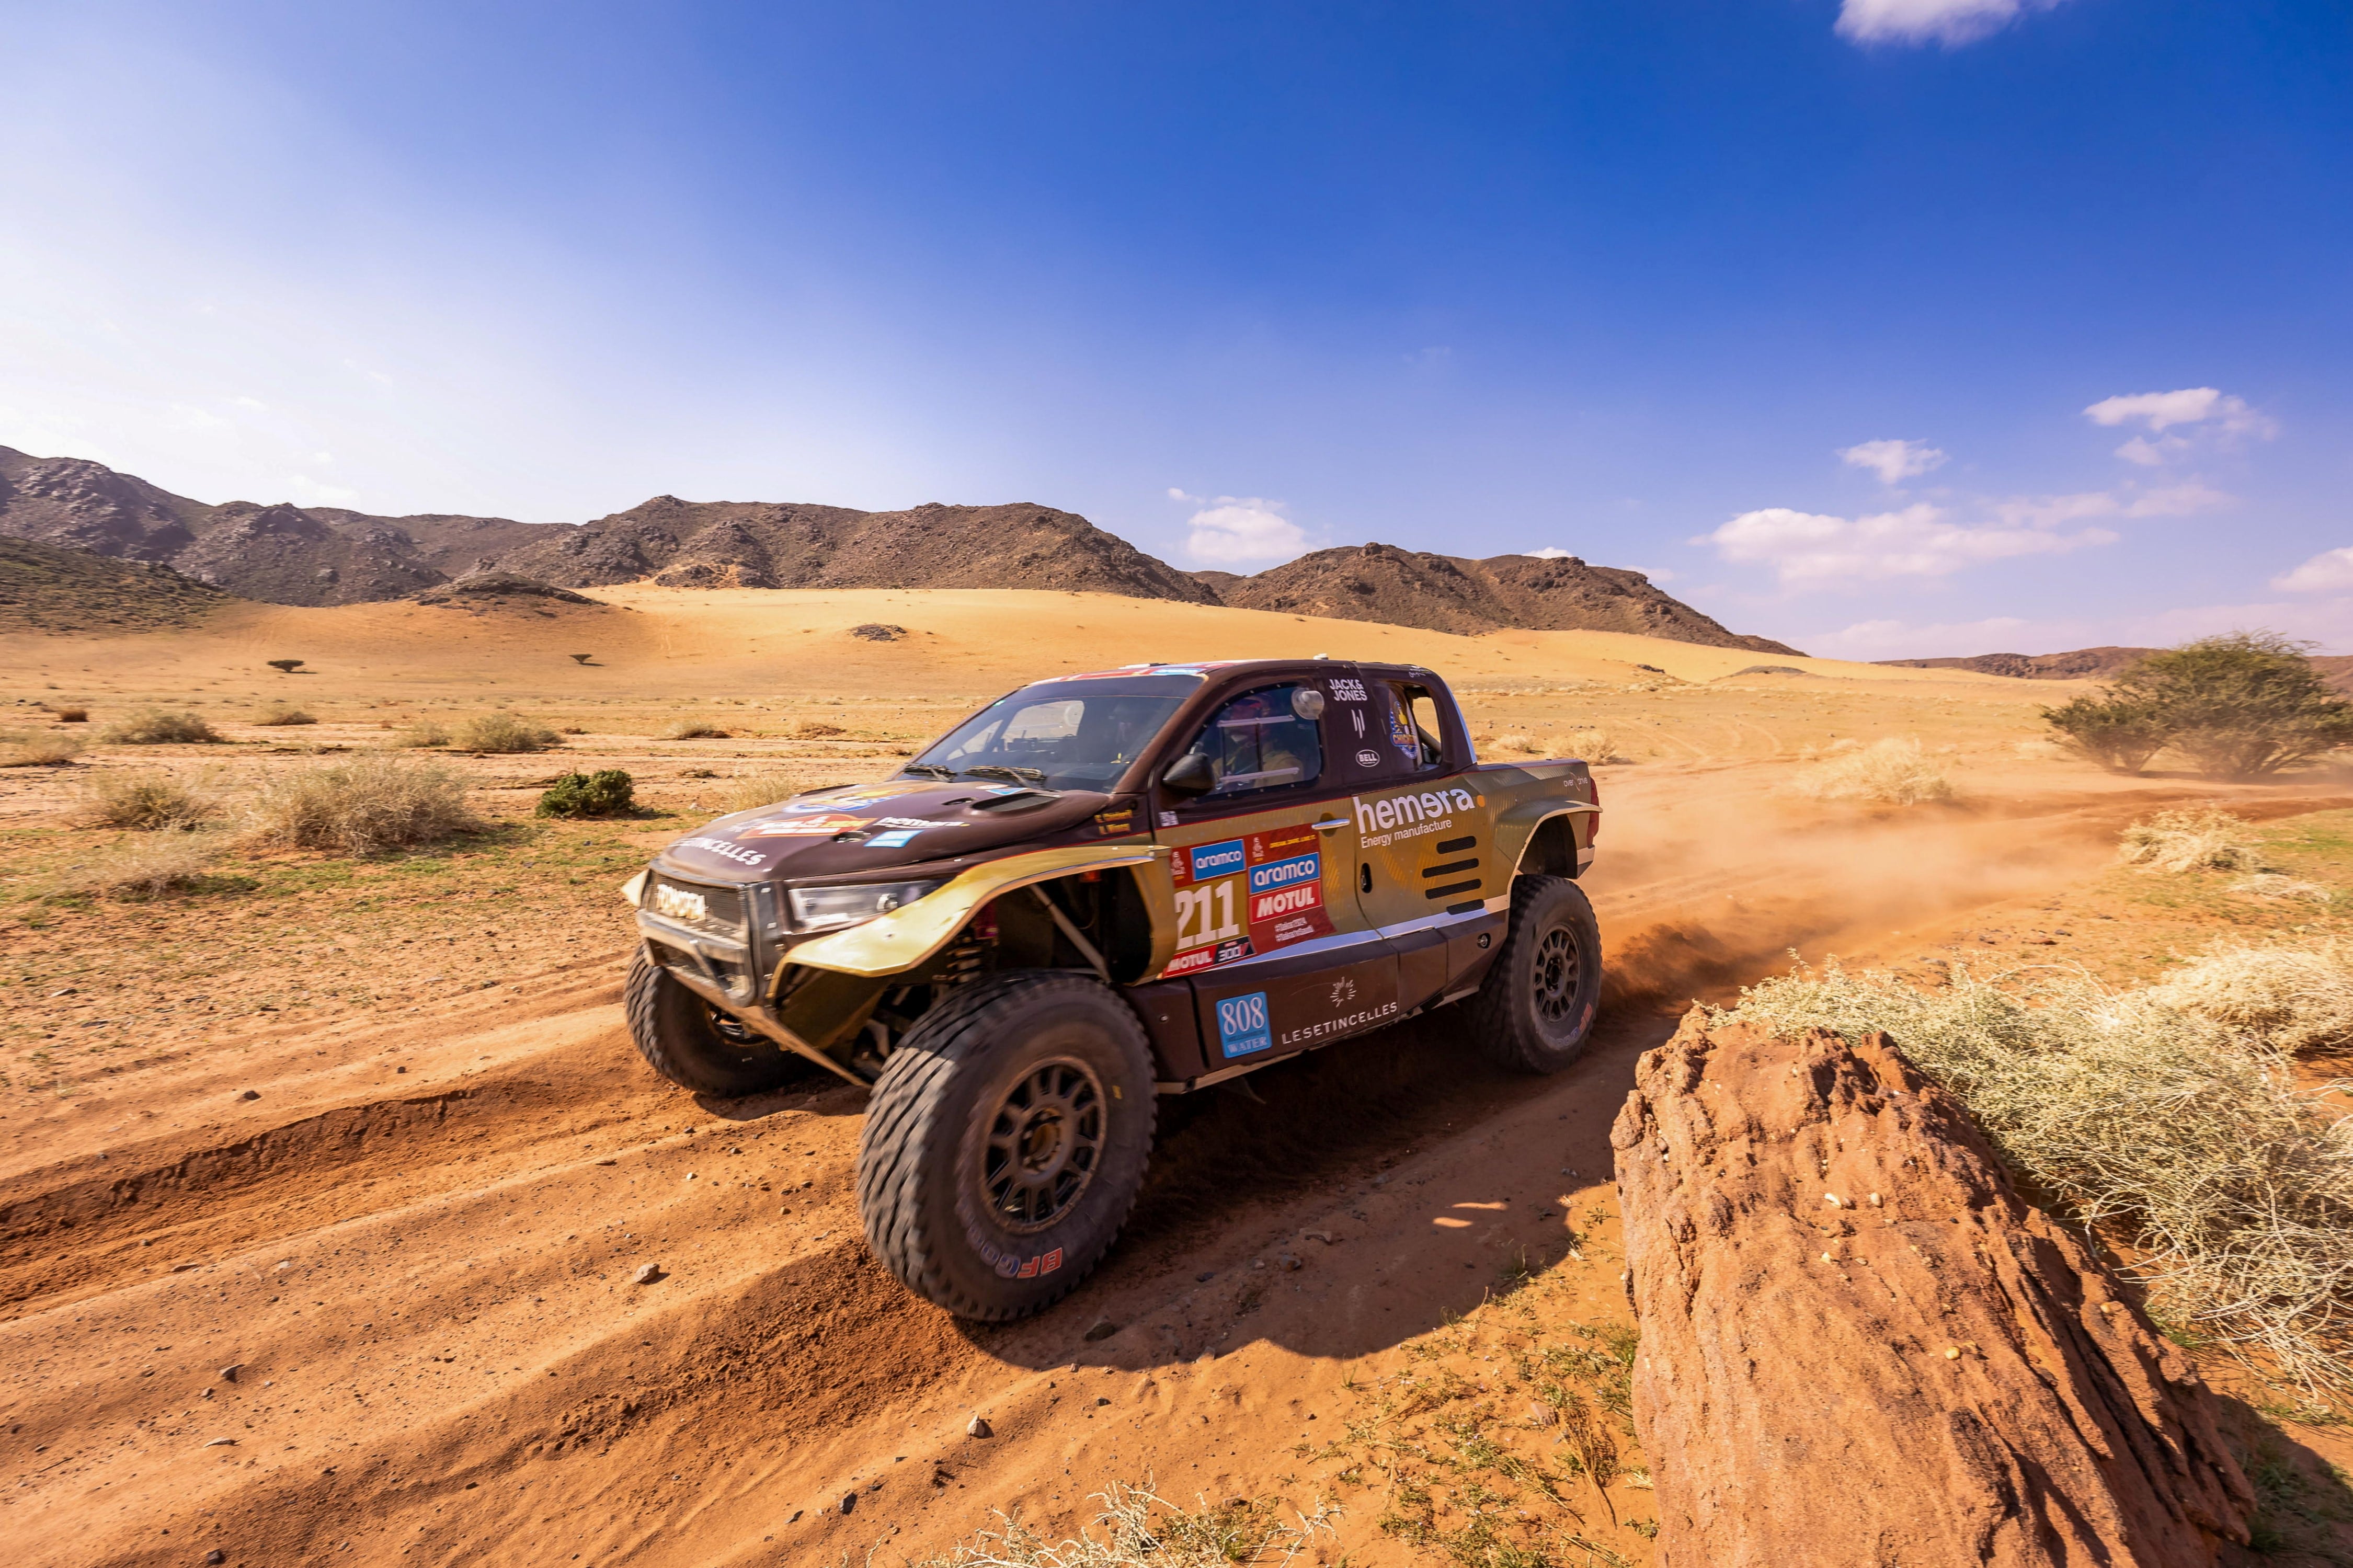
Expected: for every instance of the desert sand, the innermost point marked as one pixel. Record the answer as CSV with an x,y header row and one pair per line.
x,y
374,1136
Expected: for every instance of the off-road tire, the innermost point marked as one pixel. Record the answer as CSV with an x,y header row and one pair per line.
x,y
1535,1008
673,1030
923,1156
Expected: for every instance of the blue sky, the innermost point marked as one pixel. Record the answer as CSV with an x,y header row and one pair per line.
x,y
1886,327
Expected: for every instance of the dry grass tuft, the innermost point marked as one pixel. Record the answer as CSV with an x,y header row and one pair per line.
x,y
423,733
363,807
1593,745
157,728
2186,1136
149,800
504,732
146,866
2295,997
754,791
2279,885
811,730
2193,838
280,714
1525,746
70,715
1143,1530
1892,771
694,730
22,750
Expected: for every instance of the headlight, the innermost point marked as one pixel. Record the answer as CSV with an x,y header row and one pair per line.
x,y
830,909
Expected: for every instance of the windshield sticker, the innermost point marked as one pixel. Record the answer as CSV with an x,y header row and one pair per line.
x,y
1242,1026
1401,731
898,840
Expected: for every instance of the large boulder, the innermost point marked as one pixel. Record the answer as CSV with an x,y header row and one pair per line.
x,y
1861,1346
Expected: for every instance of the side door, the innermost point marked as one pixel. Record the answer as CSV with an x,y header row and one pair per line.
x,y
1268,928
1427,878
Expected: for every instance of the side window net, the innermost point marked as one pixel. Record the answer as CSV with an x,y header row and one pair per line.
x,y
1264,740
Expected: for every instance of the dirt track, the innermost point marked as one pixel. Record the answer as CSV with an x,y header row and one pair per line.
x,y
424,1277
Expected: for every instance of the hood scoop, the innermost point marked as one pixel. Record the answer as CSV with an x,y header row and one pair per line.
x,y
1014,803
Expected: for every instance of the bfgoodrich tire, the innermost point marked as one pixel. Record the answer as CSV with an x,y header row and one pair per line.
x,y
1535,1008
687,1041
1005,1142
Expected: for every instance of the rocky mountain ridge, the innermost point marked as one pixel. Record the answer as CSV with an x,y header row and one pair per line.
x,y
288,554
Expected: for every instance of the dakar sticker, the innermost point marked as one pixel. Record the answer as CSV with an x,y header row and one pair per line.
x,y
806,826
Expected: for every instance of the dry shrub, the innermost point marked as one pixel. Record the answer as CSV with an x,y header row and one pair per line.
x,y
1143,1530
2193,838
1525,746
694,730
362,807
146,866
149,800
22,750
70,715
155,727
1892,771
2295,997
811,729
280,714
2188,1138
423,733
503,732
1593,745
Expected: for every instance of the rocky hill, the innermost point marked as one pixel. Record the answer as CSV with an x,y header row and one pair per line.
x,y
2083,664
1449,593
53,588
288,554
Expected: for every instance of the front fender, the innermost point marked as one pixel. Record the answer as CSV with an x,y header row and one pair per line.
x,y
906,938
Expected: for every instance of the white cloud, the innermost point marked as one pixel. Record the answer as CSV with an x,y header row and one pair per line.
x,y
1901,640
2331,569
2151,454
1549,553
1946,22
1813,550
1894,461
1235,529
2191,406
2183,500
1655,573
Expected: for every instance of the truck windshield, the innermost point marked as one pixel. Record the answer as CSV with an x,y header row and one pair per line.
x,y
1076,734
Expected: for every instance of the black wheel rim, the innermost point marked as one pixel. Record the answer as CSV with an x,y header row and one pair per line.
x,y
734,1031
1555,975
1045,1144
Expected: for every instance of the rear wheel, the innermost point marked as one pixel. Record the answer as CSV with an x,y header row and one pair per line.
x,y
1006,1142
1536,1006
693,1044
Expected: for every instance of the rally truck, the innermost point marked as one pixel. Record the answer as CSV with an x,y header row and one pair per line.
x,y
1097,890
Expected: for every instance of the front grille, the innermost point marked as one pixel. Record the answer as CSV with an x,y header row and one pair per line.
x,y
699,906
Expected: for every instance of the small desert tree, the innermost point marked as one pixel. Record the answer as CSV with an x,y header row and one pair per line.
x,y
2115,733
285,666
2238,706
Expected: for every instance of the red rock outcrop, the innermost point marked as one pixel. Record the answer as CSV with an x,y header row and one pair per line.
x,y
1860,1346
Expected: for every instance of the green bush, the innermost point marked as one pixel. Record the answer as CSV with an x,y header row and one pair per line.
x,y
156,728
605,793
503,732
2237,707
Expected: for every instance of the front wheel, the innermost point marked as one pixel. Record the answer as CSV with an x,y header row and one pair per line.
x,y
1005,1142
693,1044
1536,1006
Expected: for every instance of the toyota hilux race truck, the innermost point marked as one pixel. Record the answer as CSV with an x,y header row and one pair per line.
x,y
1097,890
